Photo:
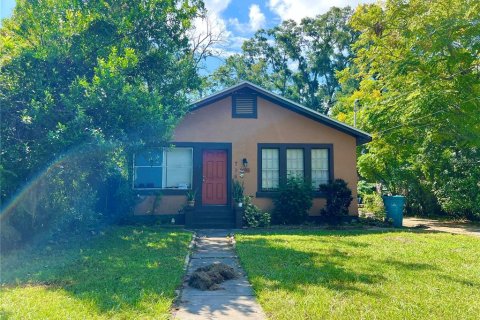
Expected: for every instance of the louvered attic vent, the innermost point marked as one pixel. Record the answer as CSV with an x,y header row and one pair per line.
x,y
244,106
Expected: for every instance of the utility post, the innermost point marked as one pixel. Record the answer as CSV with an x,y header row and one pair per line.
x,y
355,109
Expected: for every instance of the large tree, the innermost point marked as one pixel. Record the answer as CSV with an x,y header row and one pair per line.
x,y
78,71
297,60
104,73
416,77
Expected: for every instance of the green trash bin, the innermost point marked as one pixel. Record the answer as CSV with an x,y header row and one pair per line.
x,y
394,208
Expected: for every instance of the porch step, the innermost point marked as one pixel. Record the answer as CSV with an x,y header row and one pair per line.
x,y
213,217
213,226
218,215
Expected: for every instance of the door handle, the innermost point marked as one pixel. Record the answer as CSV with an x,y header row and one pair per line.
x,y
203,178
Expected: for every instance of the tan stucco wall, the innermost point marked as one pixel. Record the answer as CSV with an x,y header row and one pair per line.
x,y
274,124
165,205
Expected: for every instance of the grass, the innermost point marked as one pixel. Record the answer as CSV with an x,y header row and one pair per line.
x,y
363,274
125,273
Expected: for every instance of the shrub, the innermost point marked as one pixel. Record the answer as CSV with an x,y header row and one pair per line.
x,y
252,216
293,202
374,222
120,198
365,188
9,236
339,197
60,201
421,200
54,205
373,203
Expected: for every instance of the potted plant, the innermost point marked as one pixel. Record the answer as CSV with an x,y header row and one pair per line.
x,y
191,194
237,192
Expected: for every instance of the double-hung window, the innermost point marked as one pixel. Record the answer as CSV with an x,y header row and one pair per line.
x,y
295,163
163,168
278,162
320,170
270,169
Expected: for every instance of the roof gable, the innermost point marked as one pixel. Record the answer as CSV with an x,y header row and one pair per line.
x,y
361,136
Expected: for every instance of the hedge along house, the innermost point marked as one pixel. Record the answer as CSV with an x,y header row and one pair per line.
x,y
250,134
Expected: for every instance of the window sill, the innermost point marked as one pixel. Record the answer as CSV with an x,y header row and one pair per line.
x,y
161,191
274,194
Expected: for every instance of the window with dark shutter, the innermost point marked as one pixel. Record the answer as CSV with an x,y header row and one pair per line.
x,y
244,106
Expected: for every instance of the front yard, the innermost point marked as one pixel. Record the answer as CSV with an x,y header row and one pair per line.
x,y
363,275
132,272
127,273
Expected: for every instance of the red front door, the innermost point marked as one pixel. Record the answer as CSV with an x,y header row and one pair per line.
x,y
214,187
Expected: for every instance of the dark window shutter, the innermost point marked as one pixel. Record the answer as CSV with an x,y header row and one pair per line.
x,y
244,106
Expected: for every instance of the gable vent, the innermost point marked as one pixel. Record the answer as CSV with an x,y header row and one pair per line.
x,y
244,106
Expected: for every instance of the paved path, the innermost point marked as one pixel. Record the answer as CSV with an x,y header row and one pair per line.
x,y
443,226
235,300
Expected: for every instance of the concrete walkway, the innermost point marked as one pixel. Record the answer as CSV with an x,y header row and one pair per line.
x,y
443,226
235,300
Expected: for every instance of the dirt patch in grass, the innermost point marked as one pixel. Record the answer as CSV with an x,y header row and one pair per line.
x,y
209,277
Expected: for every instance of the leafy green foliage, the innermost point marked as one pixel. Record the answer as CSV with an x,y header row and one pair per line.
x,y
191,195
371,199
295,198
104,76
364,187
373,203
253,217
416,75
237,191
299,61
61,199
339,197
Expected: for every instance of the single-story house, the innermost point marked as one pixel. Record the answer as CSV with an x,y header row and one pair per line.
x,y
250,134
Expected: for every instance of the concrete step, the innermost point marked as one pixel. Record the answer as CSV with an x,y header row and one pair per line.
x,y
212,225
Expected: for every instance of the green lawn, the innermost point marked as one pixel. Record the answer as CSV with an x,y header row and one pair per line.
x,y
126,273
363,275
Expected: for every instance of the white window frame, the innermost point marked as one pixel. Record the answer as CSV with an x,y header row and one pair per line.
x,y
163,169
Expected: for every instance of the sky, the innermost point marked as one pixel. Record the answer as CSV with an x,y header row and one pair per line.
x,y
237,20
6,8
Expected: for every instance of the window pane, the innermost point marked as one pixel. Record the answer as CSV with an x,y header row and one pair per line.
x,y
149,158
147,172
320,170
295,163
179,157
177,172
270,169
147,177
